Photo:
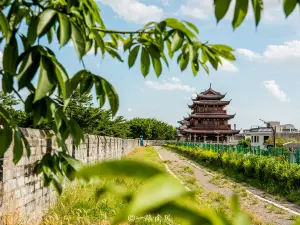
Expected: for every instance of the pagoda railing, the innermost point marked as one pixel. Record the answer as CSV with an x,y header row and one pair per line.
x,y
212,126
210,111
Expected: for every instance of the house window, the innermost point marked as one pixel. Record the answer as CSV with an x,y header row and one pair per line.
x,y
257,138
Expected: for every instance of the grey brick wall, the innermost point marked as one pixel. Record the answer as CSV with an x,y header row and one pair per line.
x,y
23,199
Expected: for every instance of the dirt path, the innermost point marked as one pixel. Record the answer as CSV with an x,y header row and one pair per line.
x,y
215,185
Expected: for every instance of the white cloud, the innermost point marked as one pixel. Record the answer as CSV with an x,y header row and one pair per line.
x,y
129,110
165,2
289,50
134,10
174,79
227,66
248,53
174,84
275,90
195,12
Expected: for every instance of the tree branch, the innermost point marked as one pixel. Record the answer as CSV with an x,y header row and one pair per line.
x,y
123,32
18,95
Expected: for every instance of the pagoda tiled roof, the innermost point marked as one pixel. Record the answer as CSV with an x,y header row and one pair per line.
x,y
209,102
211,116
183,122
210,131
208,97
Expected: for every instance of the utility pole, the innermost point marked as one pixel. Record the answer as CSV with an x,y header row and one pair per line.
x,y
273,131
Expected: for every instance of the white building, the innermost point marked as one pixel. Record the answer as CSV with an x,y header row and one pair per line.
x,y
259,135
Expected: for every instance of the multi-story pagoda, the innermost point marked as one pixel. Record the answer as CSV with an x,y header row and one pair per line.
x,y
208,121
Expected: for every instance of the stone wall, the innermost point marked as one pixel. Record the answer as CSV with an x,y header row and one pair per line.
x,y
23,199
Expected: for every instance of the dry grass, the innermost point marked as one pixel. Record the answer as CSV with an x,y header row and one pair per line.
x,y
79,206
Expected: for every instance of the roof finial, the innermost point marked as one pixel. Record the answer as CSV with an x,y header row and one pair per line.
x,y
210,86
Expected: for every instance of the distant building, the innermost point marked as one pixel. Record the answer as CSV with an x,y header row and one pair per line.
x,y
259,135
208,121
288,128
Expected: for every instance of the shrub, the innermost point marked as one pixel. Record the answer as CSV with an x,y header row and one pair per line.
x,y
265,169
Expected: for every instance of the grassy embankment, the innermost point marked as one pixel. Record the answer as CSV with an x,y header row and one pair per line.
x,y
78,204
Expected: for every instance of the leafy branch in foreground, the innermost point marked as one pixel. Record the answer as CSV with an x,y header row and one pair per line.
x,y
25,24
166,197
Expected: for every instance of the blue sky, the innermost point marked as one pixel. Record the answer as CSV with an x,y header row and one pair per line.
x,y
264,82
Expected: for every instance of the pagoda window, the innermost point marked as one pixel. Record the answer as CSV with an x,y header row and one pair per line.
x,y
221,122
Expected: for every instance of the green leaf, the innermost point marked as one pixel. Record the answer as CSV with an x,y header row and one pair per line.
x,y
5,137
25,144
162,26
234,203
32,30
50,36
127,44
24,42
123,168
177,41
28,68
57,186
240,11
169,45
64,82
18,146
5,115
175,24
195,67
112,96
65,29
86,83
10,56
257,8
222,47
56,115
100,90
114,54
221,8
145,62
99,41
88,45
184,61
164,58
205,67
4,26
77,78
132,56
44,20
289,6
241,218
155,56
78,40
192,26
7,83
46,78
76,164
164,189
